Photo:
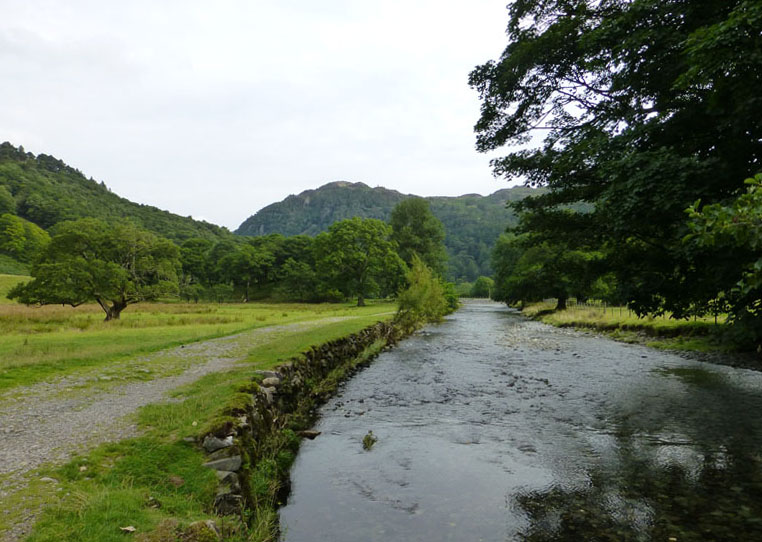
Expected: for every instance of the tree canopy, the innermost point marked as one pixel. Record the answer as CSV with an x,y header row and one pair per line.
x,y
418,232
88,260
637,108
358,258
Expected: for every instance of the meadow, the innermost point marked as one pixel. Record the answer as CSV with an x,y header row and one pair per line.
x,y
665,332
130,483
43,342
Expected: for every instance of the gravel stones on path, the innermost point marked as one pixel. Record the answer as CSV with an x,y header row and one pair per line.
x,y
49,422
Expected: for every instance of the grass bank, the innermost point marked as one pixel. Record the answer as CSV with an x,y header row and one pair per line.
x,y
6,283
699,335
156,482
45,342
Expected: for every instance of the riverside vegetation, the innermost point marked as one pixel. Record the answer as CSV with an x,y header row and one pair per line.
x,y
647,113
154,483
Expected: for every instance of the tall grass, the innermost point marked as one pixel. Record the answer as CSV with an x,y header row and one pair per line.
x,y
42,342
157,480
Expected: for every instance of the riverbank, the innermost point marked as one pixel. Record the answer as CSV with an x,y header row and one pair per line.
x,y
700,338
148,472
491,426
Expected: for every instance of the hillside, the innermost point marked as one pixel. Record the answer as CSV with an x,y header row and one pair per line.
x,y
472,222
44,190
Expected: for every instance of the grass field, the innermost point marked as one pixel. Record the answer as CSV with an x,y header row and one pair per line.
x,y
43,342
134,482
622,324
6,283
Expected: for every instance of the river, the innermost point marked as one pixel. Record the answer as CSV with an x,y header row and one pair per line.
x,y
492,427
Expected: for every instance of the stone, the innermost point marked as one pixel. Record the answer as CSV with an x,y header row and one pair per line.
x,y
49,480
232,463
229,478
269,395
212,443
227,503
271,381
310,434
204,530
222,453
268,374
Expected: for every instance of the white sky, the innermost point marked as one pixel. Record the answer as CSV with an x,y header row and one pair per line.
x,y
216,109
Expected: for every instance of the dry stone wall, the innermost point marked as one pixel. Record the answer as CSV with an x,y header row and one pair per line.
x,y
263,424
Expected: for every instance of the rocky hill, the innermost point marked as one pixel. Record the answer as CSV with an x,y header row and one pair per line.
x,y
472,222
37,192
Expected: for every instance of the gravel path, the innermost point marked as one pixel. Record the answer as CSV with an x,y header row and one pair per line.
x,y
49,422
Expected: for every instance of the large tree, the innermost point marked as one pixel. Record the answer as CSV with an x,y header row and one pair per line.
x,y
88,260
643,106
357,257
418,232
246,267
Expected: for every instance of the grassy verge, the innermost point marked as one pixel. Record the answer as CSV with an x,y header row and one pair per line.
x,y
700,335
6,283
156,481
45,342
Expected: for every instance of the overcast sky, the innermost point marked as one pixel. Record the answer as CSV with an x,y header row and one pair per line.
x,y
216,109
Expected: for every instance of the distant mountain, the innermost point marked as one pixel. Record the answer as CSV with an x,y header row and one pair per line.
x,y
472,222
46,191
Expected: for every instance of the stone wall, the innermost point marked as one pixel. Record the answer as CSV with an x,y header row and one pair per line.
x,y
252,444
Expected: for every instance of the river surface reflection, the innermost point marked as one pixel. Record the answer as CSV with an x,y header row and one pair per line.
x,y
491,427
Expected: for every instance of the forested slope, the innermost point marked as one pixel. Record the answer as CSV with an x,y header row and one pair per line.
x,y
45,191
472,222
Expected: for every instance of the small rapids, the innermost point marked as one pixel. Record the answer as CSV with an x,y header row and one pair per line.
x,y
491,427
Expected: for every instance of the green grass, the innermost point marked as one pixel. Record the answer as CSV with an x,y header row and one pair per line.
x,y
6,283
12,267
622,324
44,342
146,481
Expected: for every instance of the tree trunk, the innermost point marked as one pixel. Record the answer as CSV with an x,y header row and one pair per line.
x,y
114,311
360,300
561,305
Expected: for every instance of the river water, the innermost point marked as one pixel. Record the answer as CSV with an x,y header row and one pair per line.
x,y
491,427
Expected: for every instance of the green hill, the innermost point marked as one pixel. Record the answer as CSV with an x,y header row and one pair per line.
x,y
472,222
45,191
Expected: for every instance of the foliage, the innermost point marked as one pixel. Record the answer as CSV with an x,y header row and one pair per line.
x,y
7,201
645,106
21,239
417,232
46,191
736,226
483,287
245,267
357,257
87,260
424,300
531,269
10,266
472,222
131,482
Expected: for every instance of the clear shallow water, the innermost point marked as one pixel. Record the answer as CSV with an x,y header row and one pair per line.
x,y
491,427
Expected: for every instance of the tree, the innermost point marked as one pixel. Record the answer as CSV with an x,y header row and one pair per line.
x,y
738,226
424,300
114,266
246,267
7,201
355,255
645,106
483,287
417,231
21,239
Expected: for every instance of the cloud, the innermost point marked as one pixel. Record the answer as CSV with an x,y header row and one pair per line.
x,y
219,109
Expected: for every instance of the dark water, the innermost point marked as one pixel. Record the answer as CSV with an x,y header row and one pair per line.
x,y
491,427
